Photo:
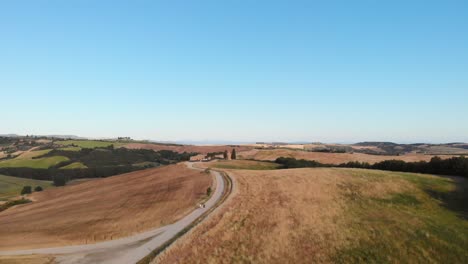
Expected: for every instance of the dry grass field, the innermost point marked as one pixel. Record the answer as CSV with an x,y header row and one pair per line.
x,y
103,209
329,215
328,158
242,165
29,259
186,148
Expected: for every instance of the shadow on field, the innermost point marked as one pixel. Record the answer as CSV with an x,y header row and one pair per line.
x,y
456,200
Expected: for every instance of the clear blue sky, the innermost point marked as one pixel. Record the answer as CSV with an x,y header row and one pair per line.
x,y
332,71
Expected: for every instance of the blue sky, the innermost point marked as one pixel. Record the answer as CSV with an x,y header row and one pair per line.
x,y
331,71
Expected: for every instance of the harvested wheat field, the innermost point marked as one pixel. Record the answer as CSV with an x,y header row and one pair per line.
x,y
329,158
186,148
328,215
103,209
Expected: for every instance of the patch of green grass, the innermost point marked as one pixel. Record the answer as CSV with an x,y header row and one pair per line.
x,y
245,165
40,163
87,143
70,149
414,227
400,199
75,165
11,186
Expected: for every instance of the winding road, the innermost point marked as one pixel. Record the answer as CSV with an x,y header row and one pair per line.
x,y
129,249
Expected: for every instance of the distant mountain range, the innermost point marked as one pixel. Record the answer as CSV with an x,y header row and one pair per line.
x,y
49,136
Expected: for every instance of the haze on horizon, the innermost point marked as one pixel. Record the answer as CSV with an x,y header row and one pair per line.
x,y
330,71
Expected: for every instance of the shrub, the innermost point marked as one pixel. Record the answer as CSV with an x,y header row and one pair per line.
x,y
26,190
38,189
60,180
294,163
13,203
208,191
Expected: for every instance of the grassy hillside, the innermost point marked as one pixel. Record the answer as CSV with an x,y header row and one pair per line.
x,y
74,165
70,148
12,186
86,143
333,215
41,163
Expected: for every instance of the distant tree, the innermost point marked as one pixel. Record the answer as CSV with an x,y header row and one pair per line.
x,y
26,190
208,191
60,180
225,154
233,154
38,189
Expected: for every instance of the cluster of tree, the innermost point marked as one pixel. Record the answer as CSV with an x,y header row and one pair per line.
x,y
288,163
60,179
28,189
109,156
457,166
70,174
212,155
6,140
330,150
101,162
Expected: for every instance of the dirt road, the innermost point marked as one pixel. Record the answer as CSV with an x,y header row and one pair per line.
x,y
130,249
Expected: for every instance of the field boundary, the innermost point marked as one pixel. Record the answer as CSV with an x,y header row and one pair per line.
x,y
227,191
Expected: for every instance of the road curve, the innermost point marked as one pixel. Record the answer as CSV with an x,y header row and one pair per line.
x,y
129,249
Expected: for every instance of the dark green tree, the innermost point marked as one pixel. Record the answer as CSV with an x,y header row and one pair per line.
x,y
233,154
60,180
208,191
38,189
225,154
26,190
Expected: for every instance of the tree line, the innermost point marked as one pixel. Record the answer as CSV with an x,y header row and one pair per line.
x,y
456,166
101,162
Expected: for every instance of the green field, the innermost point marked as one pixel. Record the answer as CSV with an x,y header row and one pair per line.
x,y
41,163
424,220
244,165
75,165
12,186
70,148
88,143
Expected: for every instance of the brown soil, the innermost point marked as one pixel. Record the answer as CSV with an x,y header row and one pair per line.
x,y
329,158
186,148
103,209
